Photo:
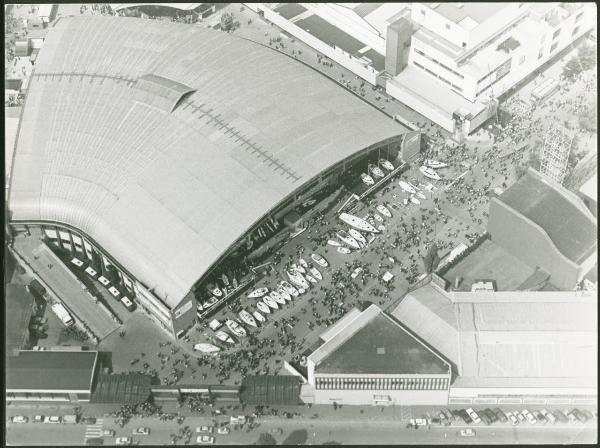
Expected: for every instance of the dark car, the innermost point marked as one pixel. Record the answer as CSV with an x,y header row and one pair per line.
x,y
490,414
560,416
579,415
465,416
94,441
501,415
88,420
588,414
540,417
484,418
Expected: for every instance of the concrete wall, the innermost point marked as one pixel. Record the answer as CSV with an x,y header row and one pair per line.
x,y
530,243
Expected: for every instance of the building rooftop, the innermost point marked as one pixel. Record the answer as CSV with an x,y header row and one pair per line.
x,y
154,188
590,188
456,12
561,214
376,344
508,335
50,370
18,309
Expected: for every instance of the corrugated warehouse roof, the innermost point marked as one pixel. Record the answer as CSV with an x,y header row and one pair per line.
x,y
166,193
508,340
50,370
559,212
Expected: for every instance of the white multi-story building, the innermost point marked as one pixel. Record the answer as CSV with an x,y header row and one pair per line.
x,y
463,56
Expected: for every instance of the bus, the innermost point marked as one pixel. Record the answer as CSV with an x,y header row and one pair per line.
x,y
63,314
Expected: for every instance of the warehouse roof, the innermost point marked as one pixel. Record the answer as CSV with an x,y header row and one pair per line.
x,y
374,343
516,336
167,191
560,213
50,370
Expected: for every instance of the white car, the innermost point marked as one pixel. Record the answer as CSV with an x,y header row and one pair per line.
x,y
356,272
530,418
512,418
467,432
38,419
123,441
19,419
473,415
223,430
205,440
208,429
52,419
141,431
520,416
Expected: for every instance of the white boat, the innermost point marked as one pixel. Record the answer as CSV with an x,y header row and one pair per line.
x,y
283,293
428,172
310,278
405,201
236,328
270,302
407,187
357,223
381,228
210,302
316,273
206,348
319,260
334,243
225,279
414,200
217,292
343,250
262,306
247,317
384,211
377,217
289,288
309,202
298,232
346,238
371,220
301,291
376,171
421,195
435,164
259,317
386,164
298,268
367,179
277,297
258,293
357,236
222,336
302,262
234,283
298,279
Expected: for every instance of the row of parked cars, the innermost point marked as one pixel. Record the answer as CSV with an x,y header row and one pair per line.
x,y
490,416
53,419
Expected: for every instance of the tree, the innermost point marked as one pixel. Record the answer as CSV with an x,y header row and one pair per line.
x,y
266,439
227,21
589,116
431,259
583,61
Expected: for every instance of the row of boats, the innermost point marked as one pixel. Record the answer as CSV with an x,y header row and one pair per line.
x,y
375,172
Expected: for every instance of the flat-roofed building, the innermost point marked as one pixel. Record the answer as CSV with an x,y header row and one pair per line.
x,y
503,346
372,359
589,193
18,311
547,226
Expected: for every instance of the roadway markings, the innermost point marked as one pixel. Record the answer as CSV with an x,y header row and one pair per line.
x,y
94,430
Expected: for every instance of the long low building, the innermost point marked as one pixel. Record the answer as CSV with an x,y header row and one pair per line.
x,y
157,147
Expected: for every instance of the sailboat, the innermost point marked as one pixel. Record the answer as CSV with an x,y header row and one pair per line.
x,y
258,293
357,236
302,262
377,217
310,278
357,223
376,171
316,273
283,293
407,187
263,307
435,164
414,200
277,297
346,238
384,211
334,243
428,172
298,279
270,302
343,250
386,164
259,317
222,336
368,180
289,288
247,317
206,348
235,328
319,260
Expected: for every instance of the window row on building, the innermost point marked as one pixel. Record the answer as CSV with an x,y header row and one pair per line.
x,y
441,78
440,64
366,383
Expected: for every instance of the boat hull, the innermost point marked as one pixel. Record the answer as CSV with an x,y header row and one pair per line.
x,y
334,243
367,180
259,317
384,211
358,223
343,250
270,303
206,348
357,236
319,260
247,317
428,172
258,293
316,273
348,240
263,307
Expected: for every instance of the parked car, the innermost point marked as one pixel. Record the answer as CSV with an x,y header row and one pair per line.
x,y
38,419
501,416
511,417
449,415
548,416
19,419
205,440
38,348
52,419
223,430
94,441
207,429
108,432
356,272
540,418
466,417
578,415
473,415
123,441
530,418
560,416
71,419
588,414
467,432
141,431
520,416
490,415
88,420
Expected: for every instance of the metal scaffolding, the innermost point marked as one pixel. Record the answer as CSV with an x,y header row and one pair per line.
x,y
555,153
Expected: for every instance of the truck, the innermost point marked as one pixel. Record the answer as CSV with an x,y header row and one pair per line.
x,y
72,419
63,314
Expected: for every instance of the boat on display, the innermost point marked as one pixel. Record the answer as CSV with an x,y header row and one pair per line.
x,y
277,297
343,250
210,302
371,220
206,348
357,223
225,279
298,232
262,306
247,317
298,279
386,164
217,292
236,328
407,187
302,262
234,283
414,200
283,293
301,291
377,217
334,243
259,317
421,195
319,260
384,211
316,273
224,337
405,201
289,288
368,180
435,164
376,171
258,293
299,269
428,172
381,228
309,202
310,278
346,238
357,236
270,302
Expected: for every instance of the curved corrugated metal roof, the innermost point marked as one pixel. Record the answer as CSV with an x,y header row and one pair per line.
x,y
167,193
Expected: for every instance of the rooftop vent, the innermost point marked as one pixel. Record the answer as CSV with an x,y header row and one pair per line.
x,y
160,92
381,350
